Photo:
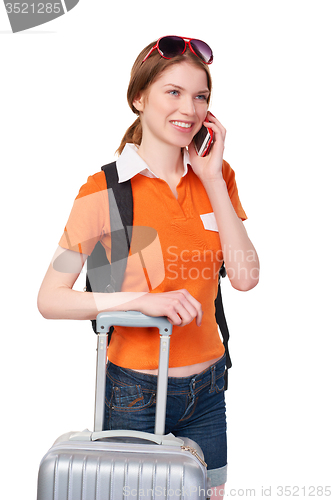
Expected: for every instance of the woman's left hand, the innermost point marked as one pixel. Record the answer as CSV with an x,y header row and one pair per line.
x,y
209,167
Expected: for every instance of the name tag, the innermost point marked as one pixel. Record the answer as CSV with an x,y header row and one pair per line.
x,y
209,221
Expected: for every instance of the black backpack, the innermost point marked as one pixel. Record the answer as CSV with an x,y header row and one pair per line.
x,y
107,278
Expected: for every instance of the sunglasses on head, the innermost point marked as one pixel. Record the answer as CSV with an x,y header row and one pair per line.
x,y
172,46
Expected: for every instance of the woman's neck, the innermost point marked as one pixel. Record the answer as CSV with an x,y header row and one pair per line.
x,y
165,161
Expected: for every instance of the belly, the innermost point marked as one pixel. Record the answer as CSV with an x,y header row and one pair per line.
x,y
184,371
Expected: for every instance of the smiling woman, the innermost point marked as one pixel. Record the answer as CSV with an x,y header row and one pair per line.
x,y
192,205
150,66
172,111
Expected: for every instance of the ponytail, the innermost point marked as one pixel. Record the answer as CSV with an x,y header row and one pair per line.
x,y
133,134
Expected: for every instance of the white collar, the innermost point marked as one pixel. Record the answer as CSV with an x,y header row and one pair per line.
x,y
130,163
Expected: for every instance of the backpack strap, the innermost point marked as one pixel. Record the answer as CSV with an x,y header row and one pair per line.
x,y
121,222
222,323
101,276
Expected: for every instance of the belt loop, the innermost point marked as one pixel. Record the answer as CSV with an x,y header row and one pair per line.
x,y
212,384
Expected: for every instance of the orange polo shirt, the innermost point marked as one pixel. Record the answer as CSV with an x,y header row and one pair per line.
x,y
175,245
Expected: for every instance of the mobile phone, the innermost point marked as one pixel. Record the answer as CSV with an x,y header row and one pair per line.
x,y
203,141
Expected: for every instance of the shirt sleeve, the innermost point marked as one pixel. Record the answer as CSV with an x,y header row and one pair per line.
x,y
230,180
88,221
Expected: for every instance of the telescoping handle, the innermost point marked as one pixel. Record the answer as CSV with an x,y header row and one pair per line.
x,y
132,318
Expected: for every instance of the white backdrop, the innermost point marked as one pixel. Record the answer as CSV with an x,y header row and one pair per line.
x,y
63,113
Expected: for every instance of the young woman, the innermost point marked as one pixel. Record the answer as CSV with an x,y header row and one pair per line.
x,y
191,204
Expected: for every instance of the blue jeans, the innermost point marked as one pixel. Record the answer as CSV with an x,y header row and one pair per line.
x,y
195,409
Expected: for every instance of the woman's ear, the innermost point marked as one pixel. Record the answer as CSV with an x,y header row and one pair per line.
x,y
138,102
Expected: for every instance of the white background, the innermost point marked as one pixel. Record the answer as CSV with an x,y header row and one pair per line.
x,y
63,113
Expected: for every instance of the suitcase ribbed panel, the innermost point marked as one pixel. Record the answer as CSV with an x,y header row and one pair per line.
x,y
83,475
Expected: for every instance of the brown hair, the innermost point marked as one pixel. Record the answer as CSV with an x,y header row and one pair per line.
x,y
144,74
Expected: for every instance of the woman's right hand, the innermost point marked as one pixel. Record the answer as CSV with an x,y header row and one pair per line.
x,y
179,306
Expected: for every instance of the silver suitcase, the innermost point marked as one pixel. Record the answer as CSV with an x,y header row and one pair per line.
x,y
105,465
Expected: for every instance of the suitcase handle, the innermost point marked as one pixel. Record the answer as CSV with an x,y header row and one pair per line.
x,y
165,439
132,318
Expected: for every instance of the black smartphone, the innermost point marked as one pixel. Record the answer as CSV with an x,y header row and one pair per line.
x,y
203,141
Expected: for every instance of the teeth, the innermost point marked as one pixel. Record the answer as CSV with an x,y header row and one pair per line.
x,y
182,124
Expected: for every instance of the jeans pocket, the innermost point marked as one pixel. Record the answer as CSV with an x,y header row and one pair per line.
x,y
130,408
131,397
219,384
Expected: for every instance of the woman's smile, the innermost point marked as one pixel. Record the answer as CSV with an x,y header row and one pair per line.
x,y
183,126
